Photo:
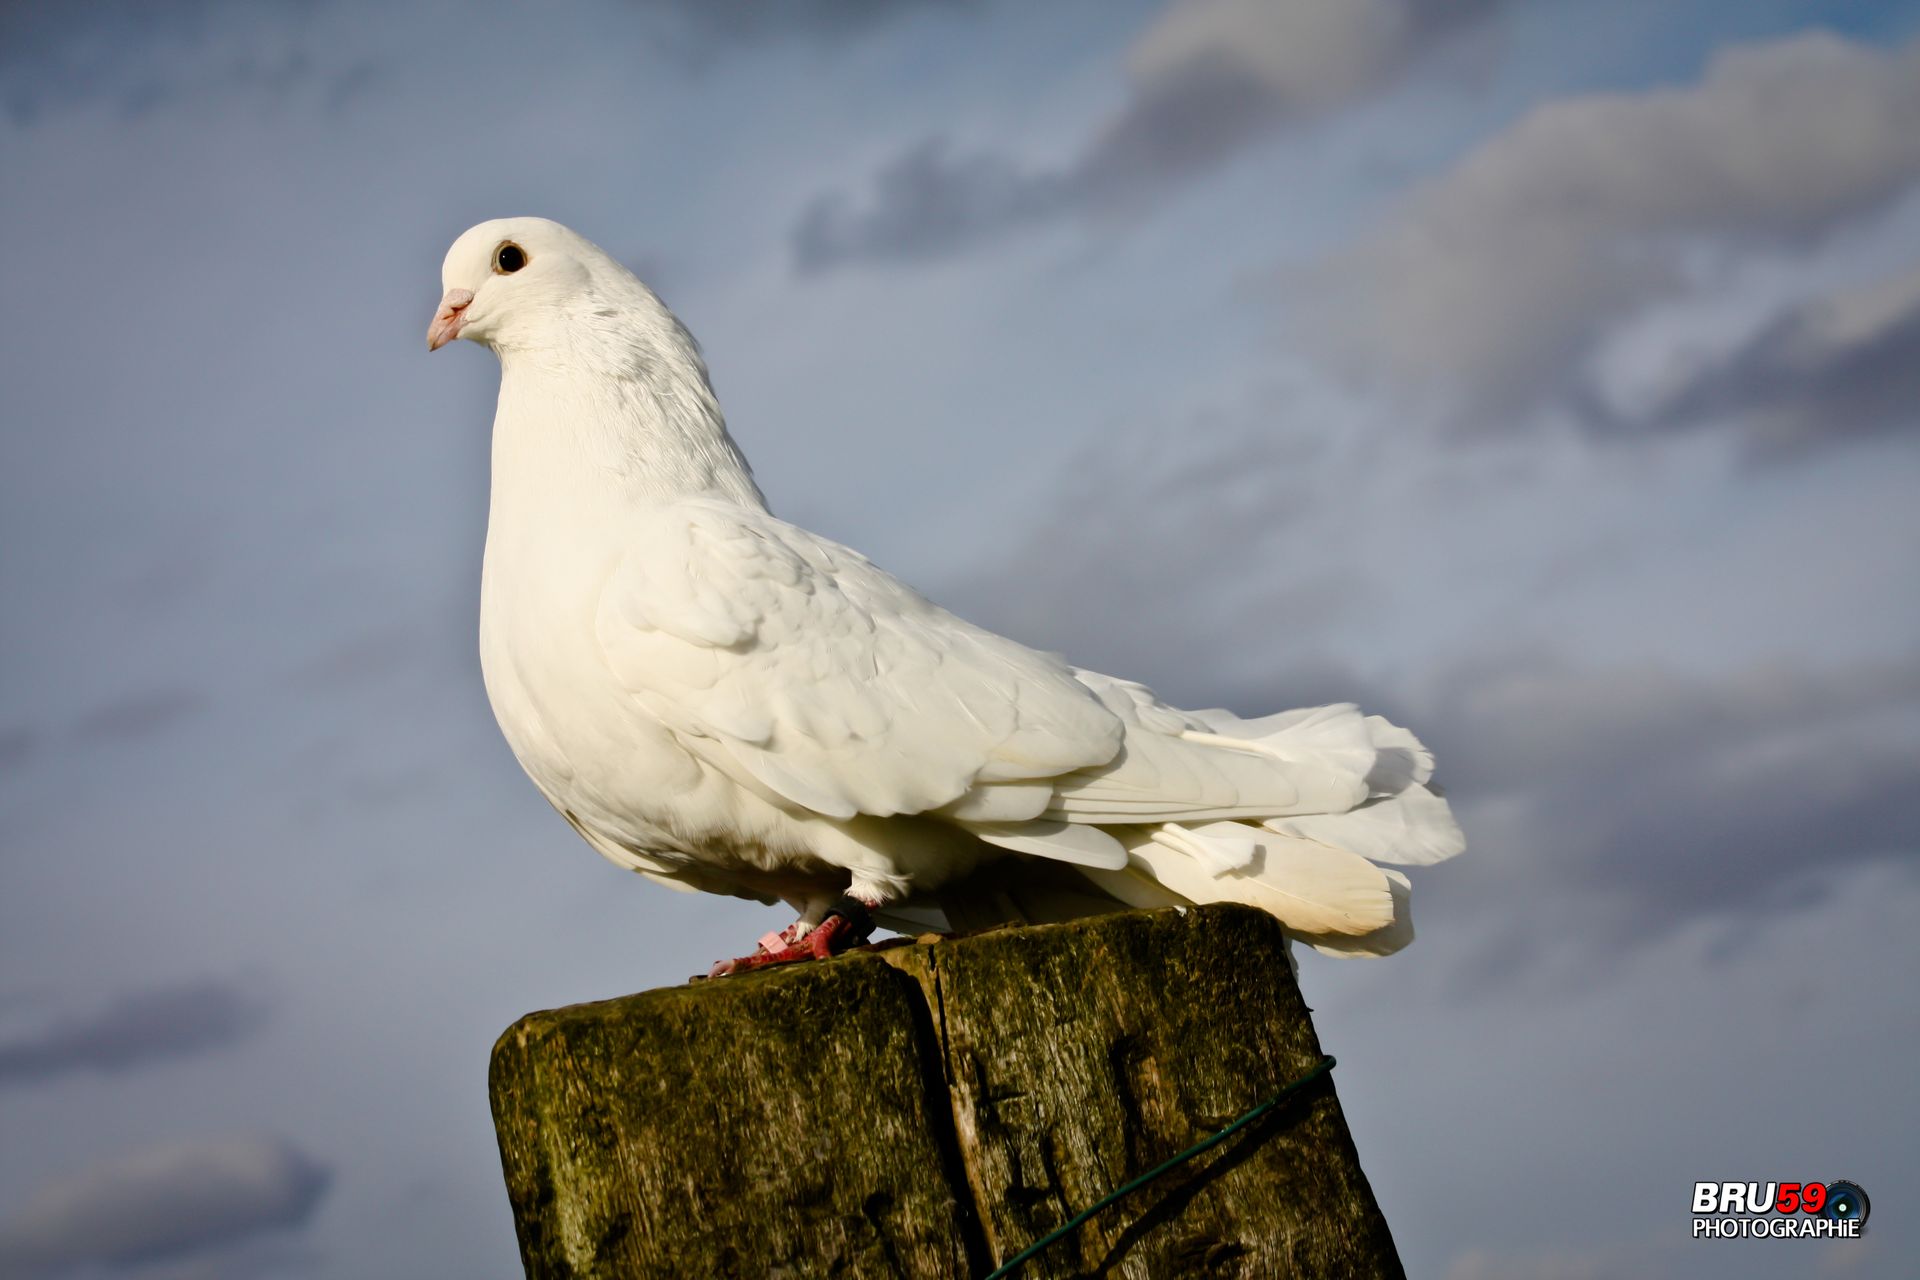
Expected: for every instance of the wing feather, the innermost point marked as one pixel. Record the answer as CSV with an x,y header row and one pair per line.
x,y
1176,766
794,662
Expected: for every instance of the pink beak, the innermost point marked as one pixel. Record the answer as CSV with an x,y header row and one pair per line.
x,y
448,319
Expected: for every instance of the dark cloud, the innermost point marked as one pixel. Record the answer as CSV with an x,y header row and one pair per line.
x,y
694,34
1167,518
1619,802
1490,289
1638,799
167,1203
140,1028
1848,362
1209,78
732,20
926,201
1181,125
142,57
368,658
138,715
17,745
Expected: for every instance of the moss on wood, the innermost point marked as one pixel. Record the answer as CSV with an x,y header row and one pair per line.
x,y
930,1110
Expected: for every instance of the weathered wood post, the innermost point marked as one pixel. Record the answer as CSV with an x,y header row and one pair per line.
x,y
928,1111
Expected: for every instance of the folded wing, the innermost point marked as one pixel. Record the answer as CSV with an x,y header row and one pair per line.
x,y
807,674
801,668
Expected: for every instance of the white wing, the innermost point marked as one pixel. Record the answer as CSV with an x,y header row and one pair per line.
x,y
1177,767
803,672
800,668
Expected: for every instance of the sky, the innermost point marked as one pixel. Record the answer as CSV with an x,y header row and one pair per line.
x,y
1545,377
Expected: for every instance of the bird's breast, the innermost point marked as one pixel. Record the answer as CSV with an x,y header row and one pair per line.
x,y
582,737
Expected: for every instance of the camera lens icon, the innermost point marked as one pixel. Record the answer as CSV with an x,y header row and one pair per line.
x,y
1845,1202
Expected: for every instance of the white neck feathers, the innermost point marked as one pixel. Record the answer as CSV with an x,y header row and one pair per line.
x,y
613,399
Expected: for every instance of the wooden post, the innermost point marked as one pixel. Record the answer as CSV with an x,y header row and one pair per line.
x,y
928,1111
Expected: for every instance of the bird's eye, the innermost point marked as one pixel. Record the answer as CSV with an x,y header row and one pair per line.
x,y
508,258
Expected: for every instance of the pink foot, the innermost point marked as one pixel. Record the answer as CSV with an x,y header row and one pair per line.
x,y
849,923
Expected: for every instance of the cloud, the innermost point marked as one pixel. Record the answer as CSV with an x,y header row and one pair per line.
x,y
1194,520
17,745
1640,798
1848,361
139,715
1479,1264
1494,281
140,1028
165,1203
819,19
139,57
1262,567
927,201
1207,79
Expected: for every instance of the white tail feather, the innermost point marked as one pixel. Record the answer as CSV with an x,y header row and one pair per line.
x,y
1381,942
1224,848
1334,737
1061,841
1283,813
1402,760
1414,828
1309,887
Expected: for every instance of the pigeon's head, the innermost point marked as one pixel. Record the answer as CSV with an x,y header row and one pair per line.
x,y
520,282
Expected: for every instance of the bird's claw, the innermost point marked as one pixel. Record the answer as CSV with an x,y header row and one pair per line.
x,y
848,923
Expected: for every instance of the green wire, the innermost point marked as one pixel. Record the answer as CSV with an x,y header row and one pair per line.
x,y
1072,1224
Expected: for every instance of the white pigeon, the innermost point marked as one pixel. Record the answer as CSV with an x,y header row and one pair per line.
x,y
723,701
